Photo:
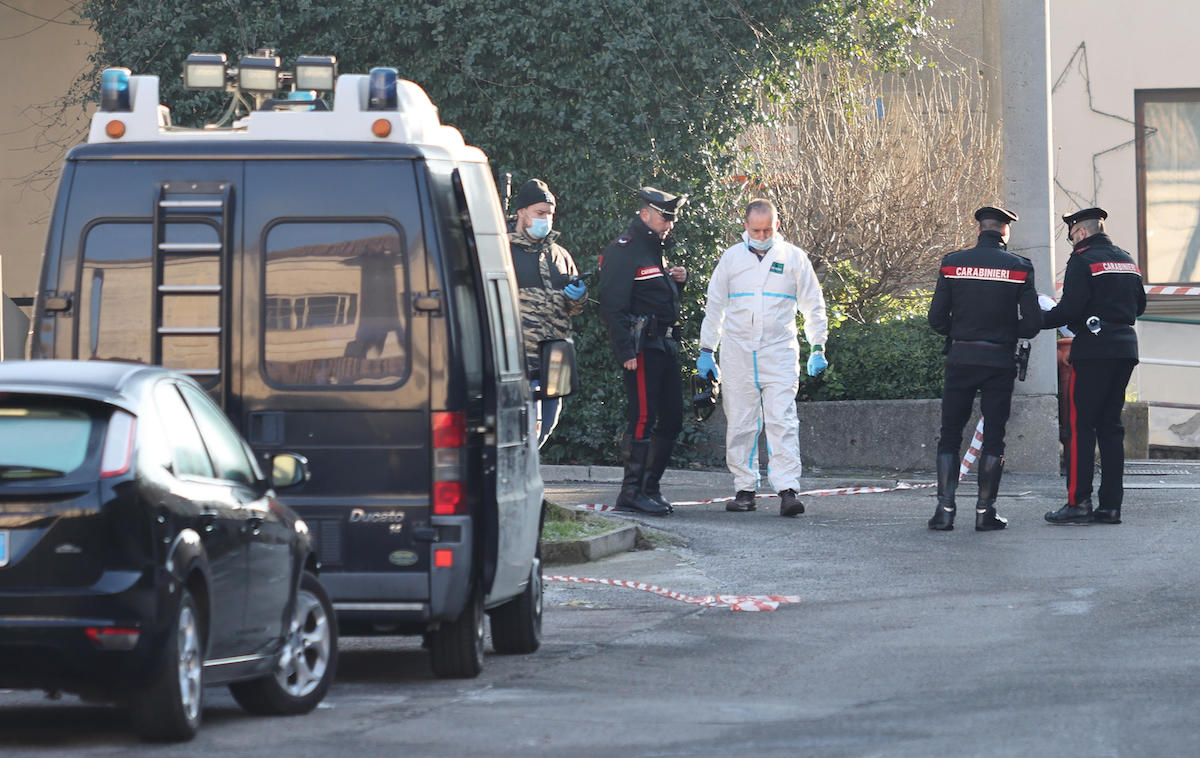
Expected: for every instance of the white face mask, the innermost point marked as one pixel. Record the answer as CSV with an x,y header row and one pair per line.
x,y
761,246
538,228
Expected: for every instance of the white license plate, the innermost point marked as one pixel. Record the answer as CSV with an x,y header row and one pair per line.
x,y
3,547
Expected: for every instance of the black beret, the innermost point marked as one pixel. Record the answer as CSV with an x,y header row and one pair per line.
x,y
663,202
533,191
997,214
1084,215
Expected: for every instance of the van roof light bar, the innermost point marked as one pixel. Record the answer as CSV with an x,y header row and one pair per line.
x,y
258,74
315,72
205,71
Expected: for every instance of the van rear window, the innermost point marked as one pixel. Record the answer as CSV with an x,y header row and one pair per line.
x,y
42,441
335,304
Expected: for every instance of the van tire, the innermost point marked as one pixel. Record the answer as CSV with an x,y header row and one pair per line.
x,y
306,666
168,709
456,647
517,625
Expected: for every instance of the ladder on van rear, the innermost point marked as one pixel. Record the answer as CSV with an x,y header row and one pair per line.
x,y
190,307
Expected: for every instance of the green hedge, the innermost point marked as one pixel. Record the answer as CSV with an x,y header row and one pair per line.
x,y
891,359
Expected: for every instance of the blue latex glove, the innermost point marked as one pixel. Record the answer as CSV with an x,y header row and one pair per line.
x,y
575,290
816,362
707,366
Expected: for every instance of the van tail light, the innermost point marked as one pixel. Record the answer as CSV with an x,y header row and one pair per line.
x,y
449,437
118,445
113,637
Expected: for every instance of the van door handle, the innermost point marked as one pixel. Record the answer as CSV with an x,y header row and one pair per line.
x,y
254,525
207,520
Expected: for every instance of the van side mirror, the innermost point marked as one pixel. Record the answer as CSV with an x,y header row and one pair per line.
x,y
288,470
558,367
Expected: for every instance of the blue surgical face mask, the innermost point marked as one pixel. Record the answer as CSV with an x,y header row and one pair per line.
x,y
538,228
761,246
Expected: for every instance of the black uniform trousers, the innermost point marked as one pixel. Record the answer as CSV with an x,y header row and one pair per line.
x,y
963,380
655,394
1095,397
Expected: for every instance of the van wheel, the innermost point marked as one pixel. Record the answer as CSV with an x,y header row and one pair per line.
x,y
517,625
456,648
168,709
307,663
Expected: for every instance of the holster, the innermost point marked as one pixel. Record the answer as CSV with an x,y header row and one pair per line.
x,y
637,332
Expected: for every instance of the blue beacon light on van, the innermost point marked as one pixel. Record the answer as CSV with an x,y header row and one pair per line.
x,y
381,89
114,90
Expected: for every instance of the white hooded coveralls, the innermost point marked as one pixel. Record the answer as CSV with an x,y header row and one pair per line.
x,y
751,314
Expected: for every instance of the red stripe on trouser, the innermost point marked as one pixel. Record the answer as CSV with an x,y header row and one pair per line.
x,y
639,429
1073,445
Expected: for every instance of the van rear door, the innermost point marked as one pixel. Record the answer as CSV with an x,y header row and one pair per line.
x,y
143,265
335,362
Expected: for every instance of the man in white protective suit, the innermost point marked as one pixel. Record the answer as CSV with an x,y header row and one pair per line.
x,y
755,292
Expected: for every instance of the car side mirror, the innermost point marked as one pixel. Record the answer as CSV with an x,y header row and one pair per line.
x,y
288,470
558,367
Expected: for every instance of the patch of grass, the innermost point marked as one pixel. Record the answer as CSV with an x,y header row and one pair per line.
x,y
563,524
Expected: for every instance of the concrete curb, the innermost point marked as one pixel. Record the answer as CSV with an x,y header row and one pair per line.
x,y
619,540
720,481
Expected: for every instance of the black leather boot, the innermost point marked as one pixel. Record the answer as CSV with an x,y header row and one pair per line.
x,y
990,469
660,456
947,483
632,498
1080,513
1106,516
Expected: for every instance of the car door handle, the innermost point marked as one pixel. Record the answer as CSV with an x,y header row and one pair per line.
x,y
254,525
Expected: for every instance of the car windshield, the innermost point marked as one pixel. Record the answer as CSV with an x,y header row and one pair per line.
x,y
39,440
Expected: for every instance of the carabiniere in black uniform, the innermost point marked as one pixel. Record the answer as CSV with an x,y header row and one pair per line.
x,y
1102,297
984,302
635,281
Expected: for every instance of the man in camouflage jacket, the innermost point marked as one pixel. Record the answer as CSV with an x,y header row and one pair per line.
x,y
549,295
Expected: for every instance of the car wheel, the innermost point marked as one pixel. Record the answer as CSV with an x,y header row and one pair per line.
x,y
306,665
456,648
168,709
517,625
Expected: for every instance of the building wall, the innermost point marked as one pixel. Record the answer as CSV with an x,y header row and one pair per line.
x,y
44,50
1101,52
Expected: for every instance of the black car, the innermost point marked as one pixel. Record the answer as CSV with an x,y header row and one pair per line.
x,y
143,555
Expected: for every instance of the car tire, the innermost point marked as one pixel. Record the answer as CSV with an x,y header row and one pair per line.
x,y
456,647
307,664
517,625
168,709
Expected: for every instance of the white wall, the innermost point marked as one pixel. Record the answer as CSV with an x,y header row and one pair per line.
x,y
1101,52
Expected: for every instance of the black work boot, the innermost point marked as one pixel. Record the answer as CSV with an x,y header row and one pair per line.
x,y
947,483
1106,516
631,497
789,504
660,455
990,469
1079,513
743,501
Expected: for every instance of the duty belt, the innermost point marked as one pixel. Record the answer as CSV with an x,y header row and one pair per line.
x,y
670,332
985,343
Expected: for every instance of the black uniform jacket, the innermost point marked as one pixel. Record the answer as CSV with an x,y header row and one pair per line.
x,y
984,301
1101,280
634,282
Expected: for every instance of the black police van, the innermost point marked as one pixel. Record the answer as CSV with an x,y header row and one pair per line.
x,y
339,281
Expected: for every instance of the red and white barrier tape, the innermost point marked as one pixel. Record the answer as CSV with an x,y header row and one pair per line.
x,y
1151,289
969,458
732,602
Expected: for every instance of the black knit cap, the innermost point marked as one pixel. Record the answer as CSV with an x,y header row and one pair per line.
x,y
533,191
1083,215
996,214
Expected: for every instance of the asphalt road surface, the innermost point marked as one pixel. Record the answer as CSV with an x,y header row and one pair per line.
x,y
1036,641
